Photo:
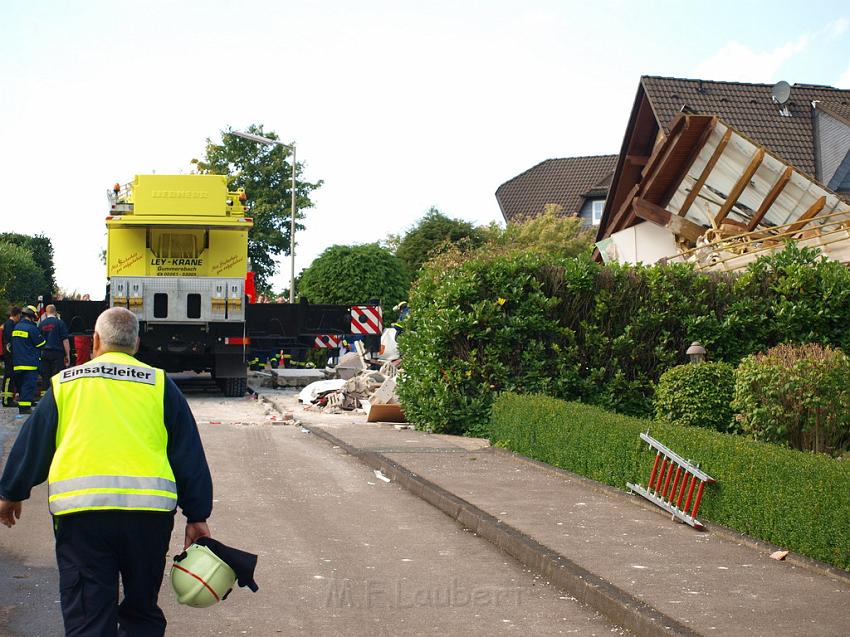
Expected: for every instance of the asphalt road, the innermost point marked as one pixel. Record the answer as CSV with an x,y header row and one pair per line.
x,y
341,551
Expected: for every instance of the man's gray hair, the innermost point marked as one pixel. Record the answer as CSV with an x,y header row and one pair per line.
x,y
118,328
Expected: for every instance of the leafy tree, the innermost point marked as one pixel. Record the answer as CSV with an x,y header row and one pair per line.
x,y
21,278
430,234
41,252
547,234
265,172
347,275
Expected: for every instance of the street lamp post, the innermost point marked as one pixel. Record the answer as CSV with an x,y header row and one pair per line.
x,y
274,142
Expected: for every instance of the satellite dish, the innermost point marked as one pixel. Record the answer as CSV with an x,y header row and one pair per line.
x,y
781,91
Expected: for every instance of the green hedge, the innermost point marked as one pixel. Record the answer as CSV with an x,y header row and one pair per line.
x,y
797,500
573,329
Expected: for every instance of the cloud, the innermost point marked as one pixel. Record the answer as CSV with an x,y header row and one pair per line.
x,y
738,62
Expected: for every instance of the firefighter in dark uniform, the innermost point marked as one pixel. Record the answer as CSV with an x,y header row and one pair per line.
x,y
27,342
57,353
8,388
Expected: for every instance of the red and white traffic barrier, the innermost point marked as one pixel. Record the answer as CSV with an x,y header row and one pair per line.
x,y
327,341
366,319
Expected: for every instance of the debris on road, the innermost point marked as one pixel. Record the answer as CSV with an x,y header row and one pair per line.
x,y
381,476
367,391
779,555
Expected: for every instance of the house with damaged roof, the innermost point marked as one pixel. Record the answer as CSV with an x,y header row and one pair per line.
x,y
568,186
718,173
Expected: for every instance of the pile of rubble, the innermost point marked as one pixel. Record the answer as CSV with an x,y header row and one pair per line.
x,y
356,387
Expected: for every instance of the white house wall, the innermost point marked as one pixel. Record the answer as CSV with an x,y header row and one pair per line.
x,y
644,242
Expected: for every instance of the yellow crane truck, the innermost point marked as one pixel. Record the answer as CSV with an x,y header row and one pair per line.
x,y
177,257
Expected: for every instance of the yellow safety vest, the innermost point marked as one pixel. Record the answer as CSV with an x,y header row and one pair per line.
x,y
111,439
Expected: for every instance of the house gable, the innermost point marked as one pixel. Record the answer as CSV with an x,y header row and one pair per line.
x,y
555,185
748,107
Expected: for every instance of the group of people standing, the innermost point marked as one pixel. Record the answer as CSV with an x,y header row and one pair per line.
x,y
32,346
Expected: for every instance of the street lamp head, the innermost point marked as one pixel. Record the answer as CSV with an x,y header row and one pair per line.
x,y
259,139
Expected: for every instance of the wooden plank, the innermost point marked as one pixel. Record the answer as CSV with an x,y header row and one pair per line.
x,y
616,222
674,223
738,188
663,152
804,219
775,191
689,162
637,160
709,166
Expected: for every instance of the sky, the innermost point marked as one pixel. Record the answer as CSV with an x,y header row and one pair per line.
x,y
397,106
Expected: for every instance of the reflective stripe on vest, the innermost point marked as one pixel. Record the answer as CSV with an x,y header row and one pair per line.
x,y
111,439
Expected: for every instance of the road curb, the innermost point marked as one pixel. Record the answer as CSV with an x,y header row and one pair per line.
x,y
616,604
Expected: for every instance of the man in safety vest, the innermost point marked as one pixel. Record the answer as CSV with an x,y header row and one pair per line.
x,y
118,445
27,343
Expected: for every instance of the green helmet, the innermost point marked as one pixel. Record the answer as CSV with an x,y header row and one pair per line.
x,y
201,578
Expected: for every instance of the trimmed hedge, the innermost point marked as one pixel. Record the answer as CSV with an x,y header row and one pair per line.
x,y
797,500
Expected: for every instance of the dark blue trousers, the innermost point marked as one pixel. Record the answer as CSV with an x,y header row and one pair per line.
x,y
27,383
93,549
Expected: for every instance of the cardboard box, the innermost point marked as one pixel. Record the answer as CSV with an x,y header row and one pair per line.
x,y
385,413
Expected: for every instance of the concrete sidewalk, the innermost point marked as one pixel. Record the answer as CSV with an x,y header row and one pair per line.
x,y
611,550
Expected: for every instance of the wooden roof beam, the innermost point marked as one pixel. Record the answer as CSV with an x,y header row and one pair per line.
x,y
692,157
771,197
637,160
674,223
709,166
804,219
617,219
740,185
663,152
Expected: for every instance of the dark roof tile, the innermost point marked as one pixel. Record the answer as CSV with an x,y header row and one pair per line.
x,y
564,182
751,109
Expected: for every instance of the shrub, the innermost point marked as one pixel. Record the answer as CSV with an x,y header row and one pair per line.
x,y
347,275
796,395
696,395
570,328
565,327
791,296
796,500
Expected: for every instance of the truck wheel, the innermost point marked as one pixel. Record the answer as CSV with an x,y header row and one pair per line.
x,y
234,387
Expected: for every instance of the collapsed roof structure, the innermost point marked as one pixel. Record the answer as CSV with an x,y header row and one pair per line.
x,y
717,173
